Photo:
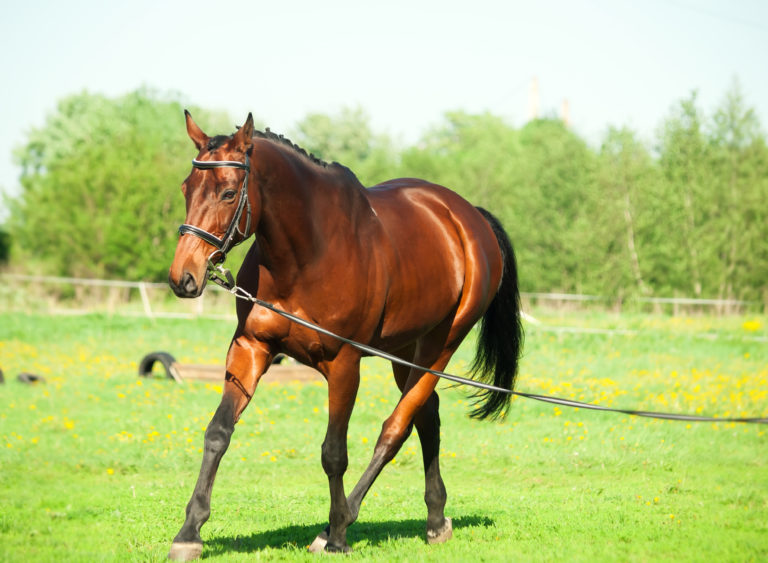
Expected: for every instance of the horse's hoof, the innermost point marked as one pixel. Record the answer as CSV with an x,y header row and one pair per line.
x,y
442,535
318,546
185,551
330,548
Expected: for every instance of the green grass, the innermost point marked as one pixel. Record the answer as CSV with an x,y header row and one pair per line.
x,y
98,464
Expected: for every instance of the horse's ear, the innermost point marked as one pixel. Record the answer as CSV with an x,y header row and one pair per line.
x,y
195,133
243,139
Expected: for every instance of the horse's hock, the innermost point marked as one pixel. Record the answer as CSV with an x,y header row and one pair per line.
x,y
280,370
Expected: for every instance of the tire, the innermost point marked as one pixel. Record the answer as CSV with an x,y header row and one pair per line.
x,y
166,360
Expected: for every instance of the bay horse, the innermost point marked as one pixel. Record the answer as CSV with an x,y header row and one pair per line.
x,y
406,266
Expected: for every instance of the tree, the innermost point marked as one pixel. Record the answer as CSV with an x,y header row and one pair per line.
x,y
347,138
627,173
99,186
740,179
716,173
685,206
540,181
565,231
5,246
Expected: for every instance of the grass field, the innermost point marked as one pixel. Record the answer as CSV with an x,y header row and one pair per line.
x,y
98,464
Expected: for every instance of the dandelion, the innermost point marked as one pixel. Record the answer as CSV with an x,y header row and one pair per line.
x,y
110,471
751,326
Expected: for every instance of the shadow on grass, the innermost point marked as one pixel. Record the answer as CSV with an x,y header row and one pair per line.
x,y
300,536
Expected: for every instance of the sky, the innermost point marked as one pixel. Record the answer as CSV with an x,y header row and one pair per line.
x,y
406,63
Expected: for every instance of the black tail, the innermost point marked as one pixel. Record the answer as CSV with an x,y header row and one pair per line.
x,y
501,335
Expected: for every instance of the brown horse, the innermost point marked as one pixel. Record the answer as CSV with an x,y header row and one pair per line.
x,y
405,266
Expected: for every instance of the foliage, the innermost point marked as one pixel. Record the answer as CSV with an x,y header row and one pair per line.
x,y
99,187
5,246
98,464
683,217
347,138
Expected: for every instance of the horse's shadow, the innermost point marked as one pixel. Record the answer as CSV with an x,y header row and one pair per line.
x,y
300,536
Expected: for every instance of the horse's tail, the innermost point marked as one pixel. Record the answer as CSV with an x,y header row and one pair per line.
x,y
501,335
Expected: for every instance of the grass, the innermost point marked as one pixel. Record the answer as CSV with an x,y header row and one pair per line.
x,y
98,464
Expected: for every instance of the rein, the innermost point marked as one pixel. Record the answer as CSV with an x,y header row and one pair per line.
x,y
223,277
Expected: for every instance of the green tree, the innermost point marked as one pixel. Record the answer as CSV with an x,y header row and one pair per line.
x,y
348,139
99,186
713,203
685,207
627,178
473,155
566,218
541,181
740,181
5,246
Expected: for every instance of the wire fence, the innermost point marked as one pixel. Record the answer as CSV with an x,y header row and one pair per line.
x,y
63,295
674,305
66,295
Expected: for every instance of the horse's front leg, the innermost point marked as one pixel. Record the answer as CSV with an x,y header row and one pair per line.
x,y
246,362
343,381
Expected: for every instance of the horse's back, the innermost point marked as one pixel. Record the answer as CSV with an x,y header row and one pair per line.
x,y
408,207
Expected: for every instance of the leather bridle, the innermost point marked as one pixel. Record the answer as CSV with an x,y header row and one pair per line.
x,y
227,241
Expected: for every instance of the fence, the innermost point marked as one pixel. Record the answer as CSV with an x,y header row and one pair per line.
x,y
678,305
63,295
155,300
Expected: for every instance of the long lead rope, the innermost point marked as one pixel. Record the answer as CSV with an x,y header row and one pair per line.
x,y
224,278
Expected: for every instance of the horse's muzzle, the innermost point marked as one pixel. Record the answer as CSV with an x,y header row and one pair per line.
x,y
187,287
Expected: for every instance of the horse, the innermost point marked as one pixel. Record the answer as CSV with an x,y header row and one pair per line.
x,y
406,266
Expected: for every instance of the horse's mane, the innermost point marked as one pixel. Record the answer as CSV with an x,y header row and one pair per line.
x,y
277,138
217,141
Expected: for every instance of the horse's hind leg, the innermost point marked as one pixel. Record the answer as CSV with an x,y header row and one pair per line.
x,y
418,391
245,365
427,422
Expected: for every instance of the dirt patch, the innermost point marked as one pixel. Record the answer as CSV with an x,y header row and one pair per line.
x,y
279,373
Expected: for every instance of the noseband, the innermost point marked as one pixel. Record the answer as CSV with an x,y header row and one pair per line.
x,y
226,242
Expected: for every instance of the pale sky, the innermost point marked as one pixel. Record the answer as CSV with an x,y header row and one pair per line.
x,y
405,62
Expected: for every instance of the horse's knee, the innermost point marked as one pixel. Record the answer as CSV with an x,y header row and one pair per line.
x,y
428,417
217,439
391,439
435,494
219,431
334,457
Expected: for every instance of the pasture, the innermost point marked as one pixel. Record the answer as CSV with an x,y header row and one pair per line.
x,y
98,464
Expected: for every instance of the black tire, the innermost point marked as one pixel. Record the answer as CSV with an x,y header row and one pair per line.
x,y
30,378
165,359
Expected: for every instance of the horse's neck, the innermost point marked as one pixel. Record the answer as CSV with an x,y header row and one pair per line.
x,y
298,206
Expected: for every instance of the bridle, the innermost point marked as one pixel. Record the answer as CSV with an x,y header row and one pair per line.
x,y
227,241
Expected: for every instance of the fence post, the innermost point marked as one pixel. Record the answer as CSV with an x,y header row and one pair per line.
x,y
145,300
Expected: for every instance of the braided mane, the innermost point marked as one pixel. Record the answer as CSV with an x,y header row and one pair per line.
x,y
277,138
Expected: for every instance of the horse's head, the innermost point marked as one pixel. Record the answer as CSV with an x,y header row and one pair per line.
x,y
219,212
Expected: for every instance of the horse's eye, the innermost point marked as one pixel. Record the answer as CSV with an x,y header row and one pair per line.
x,y
228,195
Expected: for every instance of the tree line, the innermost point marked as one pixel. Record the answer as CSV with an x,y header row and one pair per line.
x,y
683,215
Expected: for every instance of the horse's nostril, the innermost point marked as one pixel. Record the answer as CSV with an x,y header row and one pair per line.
x,y
188,283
